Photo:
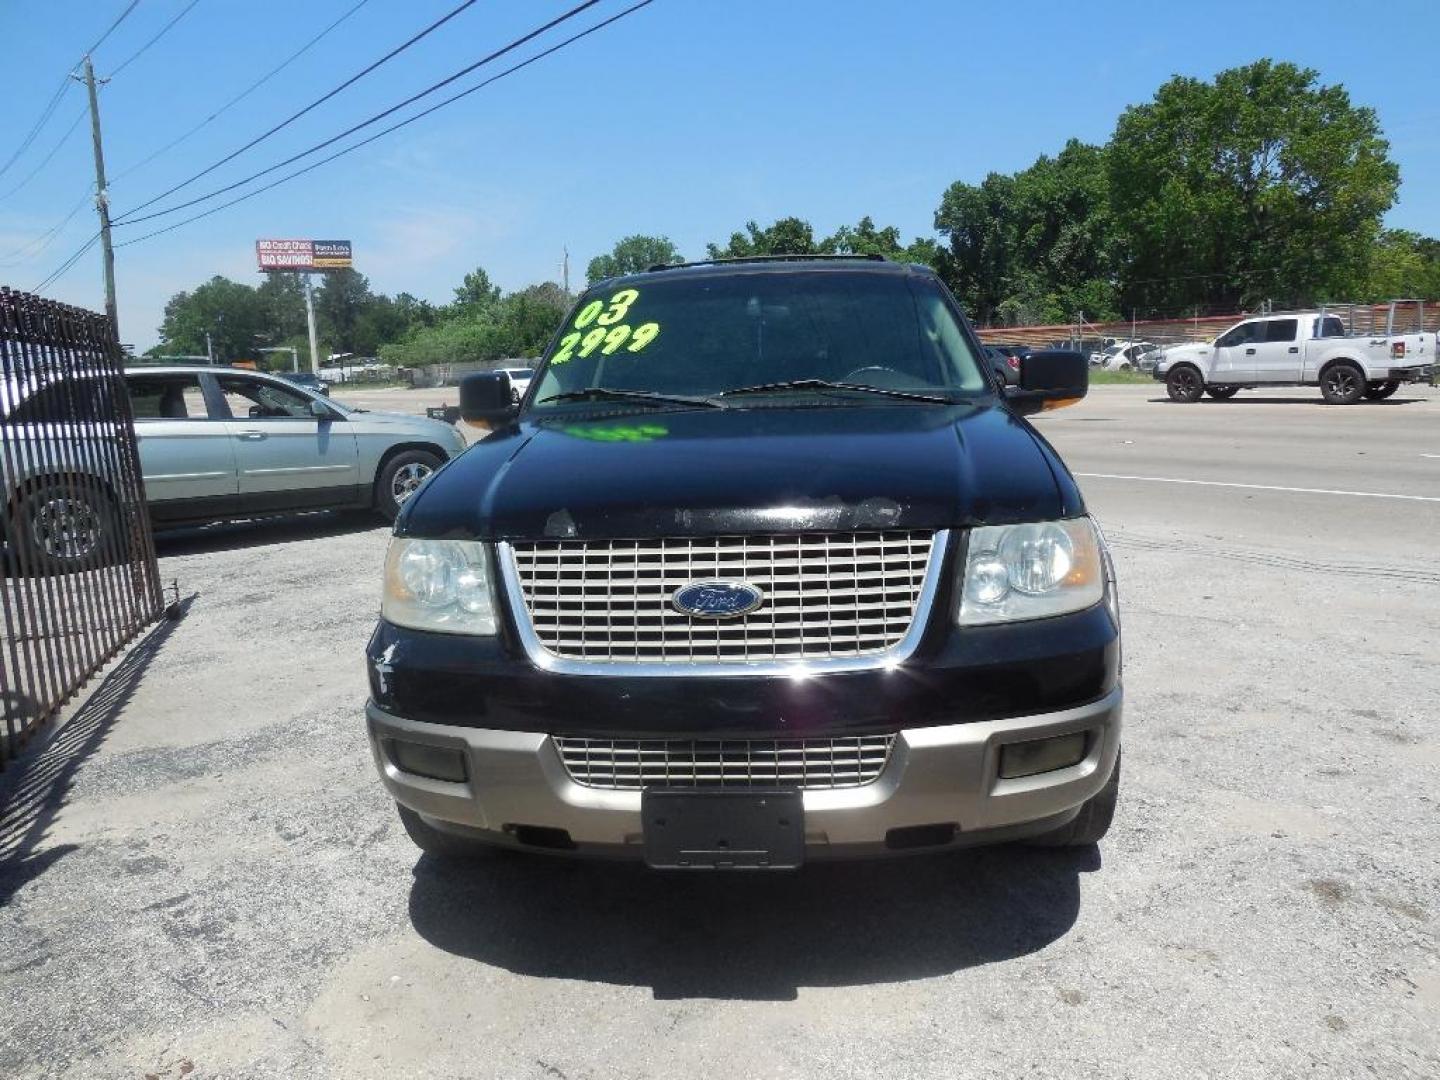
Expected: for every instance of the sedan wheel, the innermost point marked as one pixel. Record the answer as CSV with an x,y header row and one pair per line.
x,y
64,527
407,481
401,477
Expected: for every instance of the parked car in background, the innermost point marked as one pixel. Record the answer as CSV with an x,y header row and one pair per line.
x,y
519,379
308,379
1127,356
215,443
1006,368
1308,348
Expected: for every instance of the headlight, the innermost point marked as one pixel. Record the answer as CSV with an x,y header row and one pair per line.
x,y
1015,572
439,585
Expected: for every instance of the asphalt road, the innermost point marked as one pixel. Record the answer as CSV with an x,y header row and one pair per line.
x,y
199,874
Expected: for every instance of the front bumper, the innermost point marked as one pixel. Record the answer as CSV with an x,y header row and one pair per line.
x,y
941,786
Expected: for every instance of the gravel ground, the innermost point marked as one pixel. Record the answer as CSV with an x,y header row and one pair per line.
x,y
200,875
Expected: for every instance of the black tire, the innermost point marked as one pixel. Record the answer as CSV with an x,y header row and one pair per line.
x,y
1222,393
61,528
1379,391
1093,822
400,476
1342,383
441,845
1184,383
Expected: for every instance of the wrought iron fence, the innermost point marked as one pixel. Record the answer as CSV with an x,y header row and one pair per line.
x,y
78,580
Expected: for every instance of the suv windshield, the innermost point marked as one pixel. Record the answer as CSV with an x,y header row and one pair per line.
x,y
703,334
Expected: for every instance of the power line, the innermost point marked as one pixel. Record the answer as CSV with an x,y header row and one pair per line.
x,y
46,160
393,127
45,115
317,102
39,243
118,20
163,31
54,101
243,94
67,264
127,219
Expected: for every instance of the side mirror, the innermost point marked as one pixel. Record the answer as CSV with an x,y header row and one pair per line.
x,y
321,411
486,398
1049,380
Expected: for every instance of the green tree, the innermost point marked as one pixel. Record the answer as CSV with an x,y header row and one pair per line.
x,y
1034,246
866,239
632,255
284,298
475,291
339,304
1403,264
1260,184
233,314
788,236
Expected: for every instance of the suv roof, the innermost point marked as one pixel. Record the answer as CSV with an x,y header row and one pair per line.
x,y
770,264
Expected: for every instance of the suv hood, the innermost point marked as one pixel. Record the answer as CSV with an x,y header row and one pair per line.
x,y
769,469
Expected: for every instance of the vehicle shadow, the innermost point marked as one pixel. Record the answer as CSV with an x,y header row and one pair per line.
x,y
1240,399
33,786
263,532
750,936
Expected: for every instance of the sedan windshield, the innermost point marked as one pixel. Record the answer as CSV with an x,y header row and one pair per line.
x,y
700,335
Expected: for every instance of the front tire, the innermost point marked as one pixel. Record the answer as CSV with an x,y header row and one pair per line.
x,y
441,845
1093,822
1222,393
1184,384
1342,384
400,478
1379,391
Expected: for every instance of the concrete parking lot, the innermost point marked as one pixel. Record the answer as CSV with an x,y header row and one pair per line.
x,y
200,875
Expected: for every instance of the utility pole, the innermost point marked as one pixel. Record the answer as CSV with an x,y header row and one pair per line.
x,y
565,270
209,349
310,322
102,200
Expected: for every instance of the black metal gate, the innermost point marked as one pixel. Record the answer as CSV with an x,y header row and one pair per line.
x,y
78,580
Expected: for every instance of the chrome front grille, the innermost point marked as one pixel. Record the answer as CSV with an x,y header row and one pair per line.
x,y
826,595
811,764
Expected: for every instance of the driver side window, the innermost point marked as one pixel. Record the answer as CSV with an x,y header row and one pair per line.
x,y
1240,335
260,400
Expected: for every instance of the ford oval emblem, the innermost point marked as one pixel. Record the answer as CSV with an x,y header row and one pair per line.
x,y
716,599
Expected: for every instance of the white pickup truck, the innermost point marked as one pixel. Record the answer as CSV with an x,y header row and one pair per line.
x,y
1300,349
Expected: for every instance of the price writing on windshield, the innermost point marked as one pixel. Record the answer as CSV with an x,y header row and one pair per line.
x,y
599,326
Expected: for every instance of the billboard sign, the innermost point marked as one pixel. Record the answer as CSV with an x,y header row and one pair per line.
x,y
303,254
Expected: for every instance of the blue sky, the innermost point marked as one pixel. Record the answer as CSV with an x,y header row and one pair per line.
x,y
685,119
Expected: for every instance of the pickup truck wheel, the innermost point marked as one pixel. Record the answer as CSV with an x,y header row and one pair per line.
x,y
1342,384
1184,384
1379,391
61,528
442,845
1092,823
1222,393
399,479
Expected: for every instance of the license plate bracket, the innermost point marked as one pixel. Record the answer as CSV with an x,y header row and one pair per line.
x,y
686,829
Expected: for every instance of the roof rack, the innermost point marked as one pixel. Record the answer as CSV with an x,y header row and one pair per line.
x,y
761,258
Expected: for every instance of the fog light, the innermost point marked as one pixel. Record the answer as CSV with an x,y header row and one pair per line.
x,y
1041,755
435,762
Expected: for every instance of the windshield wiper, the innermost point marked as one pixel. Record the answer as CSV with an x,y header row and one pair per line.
x,y
826,384
643,397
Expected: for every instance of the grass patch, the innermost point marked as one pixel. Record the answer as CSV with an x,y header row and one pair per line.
x,y
1100,377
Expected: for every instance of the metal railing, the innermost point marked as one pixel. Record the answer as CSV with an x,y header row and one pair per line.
x,y
78,578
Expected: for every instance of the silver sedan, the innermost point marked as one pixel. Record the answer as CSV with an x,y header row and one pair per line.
x,y
215,443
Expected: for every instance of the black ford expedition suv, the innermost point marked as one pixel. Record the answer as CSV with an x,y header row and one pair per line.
x,y
765,567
